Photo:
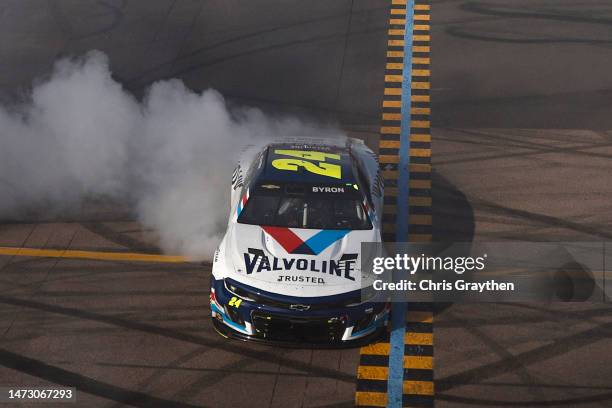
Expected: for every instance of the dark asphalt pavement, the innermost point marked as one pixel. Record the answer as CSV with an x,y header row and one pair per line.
x,y
522,149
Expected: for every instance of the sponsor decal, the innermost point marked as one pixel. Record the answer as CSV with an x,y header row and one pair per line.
x,y
377,190
301,279
369,211
320,144
242,203
315,162
312,246
235,302
261,156
237,179
316,189
255,261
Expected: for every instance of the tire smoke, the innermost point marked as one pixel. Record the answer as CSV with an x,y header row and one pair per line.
x,y
169,157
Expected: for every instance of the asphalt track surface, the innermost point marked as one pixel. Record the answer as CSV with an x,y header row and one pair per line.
x,y
521,150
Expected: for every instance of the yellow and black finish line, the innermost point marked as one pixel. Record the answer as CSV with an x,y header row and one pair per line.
x,y
386,378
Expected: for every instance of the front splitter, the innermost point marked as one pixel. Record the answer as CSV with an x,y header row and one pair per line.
x,y
377,335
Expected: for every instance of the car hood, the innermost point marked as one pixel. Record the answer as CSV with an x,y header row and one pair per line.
x,y
297,262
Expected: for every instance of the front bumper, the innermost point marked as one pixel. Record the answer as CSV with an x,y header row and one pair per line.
x,y
348,326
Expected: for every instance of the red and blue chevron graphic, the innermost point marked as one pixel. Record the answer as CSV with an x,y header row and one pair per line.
x,y
241,203
312,246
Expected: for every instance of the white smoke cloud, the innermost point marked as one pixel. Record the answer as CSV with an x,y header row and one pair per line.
x,y
170,156
69,140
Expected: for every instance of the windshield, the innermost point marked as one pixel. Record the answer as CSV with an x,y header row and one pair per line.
x,y
305,212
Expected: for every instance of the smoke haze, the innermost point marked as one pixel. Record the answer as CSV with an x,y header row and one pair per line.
x,y
170,156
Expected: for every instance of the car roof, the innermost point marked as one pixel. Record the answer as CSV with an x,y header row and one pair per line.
x,y
279,155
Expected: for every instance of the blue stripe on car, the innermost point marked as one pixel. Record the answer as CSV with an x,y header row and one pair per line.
x,y
322,239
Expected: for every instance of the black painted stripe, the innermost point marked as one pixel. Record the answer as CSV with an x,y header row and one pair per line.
x,y
418,350
375,360
371,385
418,374
419,327
418,401
420,229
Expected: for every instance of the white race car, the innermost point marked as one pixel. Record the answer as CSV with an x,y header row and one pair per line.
x,y
288,269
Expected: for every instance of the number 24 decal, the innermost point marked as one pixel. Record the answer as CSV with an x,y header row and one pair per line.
x,y
305,159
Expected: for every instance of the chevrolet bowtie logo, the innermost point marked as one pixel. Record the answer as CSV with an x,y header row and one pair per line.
x,y
299,307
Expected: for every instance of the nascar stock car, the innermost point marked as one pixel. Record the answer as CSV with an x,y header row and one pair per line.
x,y
288,268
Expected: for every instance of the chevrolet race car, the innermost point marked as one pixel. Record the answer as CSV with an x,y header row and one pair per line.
x,y
288,268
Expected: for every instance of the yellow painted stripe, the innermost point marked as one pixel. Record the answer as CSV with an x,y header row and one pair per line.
x,y
419,219
423,124
425,339
388,228
420,137
419,85
398,21
372,399
388,159
395,43
421,184
421,38
392,104
393,78
418,387
420,48
399,2
420,72
421,17
103,256
389,144
420,98
420,111
420,152
421,60
391,191
399,12
419,362
419,237
419,201
418,316
392,116
396,31
394,65
422,7
379,349
420,168
372,373
392,130
421,27
393,91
